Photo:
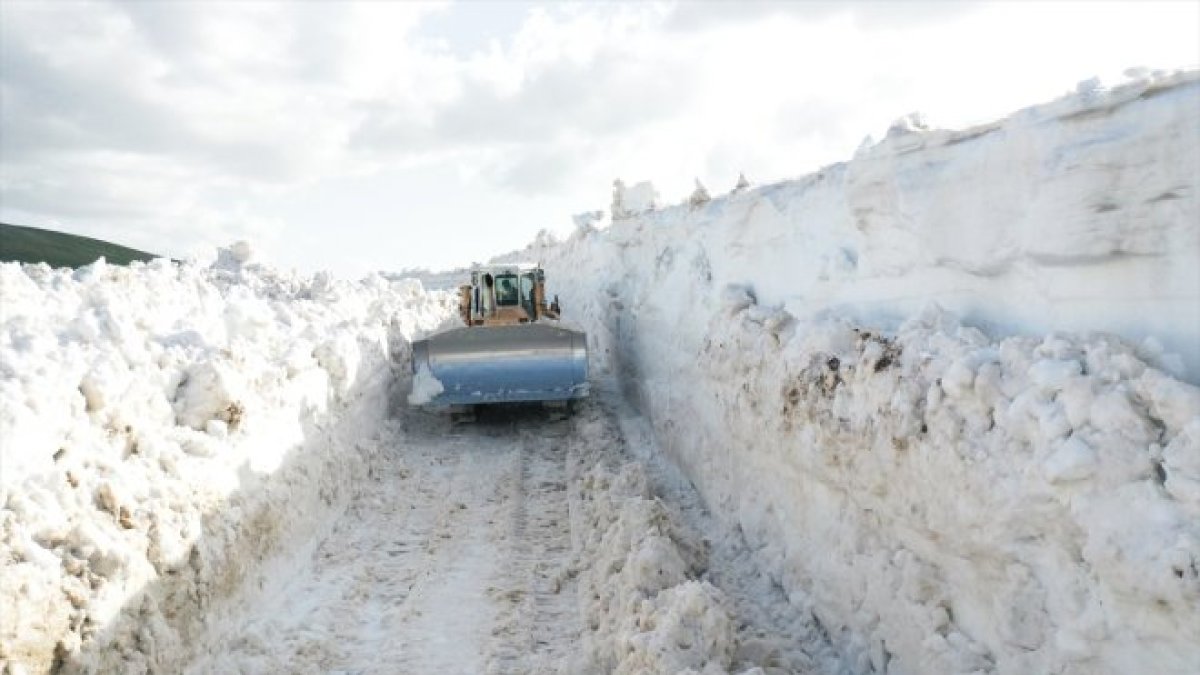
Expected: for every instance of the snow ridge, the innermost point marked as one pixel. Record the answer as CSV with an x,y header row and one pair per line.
x,y
167,429
646,609
888,376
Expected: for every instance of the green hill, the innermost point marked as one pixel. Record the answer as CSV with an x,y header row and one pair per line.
x,y
31,245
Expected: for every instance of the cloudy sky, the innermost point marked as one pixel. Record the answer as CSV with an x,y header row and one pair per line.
x,y
357,137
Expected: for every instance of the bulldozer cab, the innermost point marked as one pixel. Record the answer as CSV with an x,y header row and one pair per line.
x,y
502,295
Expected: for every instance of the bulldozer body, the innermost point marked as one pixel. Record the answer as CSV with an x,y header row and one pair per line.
x,y
511,348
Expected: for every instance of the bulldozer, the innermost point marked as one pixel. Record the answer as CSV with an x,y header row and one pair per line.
x,y
511,348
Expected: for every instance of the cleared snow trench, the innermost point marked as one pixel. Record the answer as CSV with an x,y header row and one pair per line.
x,y
517,544
178,497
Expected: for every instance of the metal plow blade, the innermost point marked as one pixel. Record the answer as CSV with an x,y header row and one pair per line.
x,y
500,364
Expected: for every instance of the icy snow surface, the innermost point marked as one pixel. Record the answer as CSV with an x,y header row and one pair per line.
x,y
943,388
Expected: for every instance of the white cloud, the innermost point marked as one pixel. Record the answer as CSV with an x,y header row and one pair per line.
x,y
402,134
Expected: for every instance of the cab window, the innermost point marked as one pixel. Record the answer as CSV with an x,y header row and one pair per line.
x,y
527,292
506,290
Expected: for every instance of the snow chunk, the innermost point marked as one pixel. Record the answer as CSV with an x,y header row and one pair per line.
x,y
1052,375
699,196
737,297
425,387
233,257
911,123
211,390
742,184
692,632
631,201
1073,460
583,221
340,358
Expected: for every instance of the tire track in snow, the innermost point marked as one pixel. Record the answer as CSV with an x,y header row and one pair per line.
x,y
540,621
446,616
446,561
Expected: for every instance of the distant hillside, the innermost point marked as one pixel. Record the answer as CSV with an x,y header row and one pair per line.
x,y
31,245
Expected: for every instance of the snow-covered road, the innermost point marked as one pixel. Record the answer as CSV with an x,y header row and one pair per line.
x,y
449,560
500,546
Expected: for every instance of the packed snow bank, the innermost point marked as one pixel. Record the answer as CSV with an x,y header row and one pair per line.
x,y
165,429
997,489
1077,215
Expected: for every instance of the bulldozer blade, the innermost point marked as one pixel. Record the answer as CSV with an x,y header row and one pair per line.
x,y
501,364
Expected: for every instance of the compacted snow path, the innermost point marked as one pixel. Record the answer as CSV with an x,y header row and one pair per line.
x,y
519,543
447,561
539,607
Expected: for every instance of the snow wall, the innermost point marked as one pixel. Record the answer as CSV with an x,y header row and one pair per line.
x,y
172,436
943,387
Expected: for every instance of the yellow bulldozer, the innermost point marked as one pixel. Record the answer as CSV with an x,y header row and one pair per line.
x,y
512,347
